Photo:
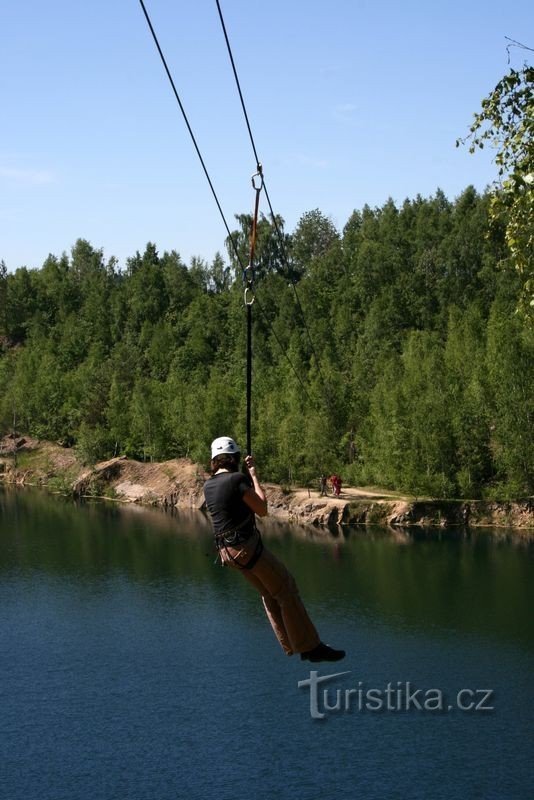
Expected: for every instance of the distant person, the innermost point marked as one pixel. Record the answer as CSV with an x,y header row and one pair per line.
x,y
323,485
233,500
336,485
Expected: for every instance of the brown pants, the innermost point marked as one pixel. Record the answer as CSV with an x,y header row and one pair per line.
x,y
289,619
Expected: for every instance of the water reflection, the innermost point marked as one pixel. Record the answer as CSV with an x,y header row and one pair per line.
x,y
132,666
476,583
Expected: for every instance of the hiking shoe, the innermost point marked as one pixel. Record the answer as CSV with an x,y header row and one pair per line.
x,y
322,653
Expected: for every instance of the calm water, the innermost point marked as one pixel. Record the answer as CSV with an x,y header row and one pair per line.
x,y
133,667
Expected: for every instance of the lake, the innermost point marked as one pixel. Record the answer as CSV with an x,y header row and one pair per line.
x,y
132,666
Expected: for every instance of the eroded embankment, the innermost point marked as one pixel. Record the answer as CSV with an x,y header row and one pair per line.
x,y
361,507
178,484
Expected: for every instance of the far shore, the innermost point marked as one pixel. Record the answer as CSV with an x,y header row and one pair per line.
x,y
178,483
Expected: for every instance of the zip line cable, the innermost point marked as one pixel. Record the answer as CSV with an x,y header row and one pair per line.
x,y
258,164
206,173
245,114
192,135
238,86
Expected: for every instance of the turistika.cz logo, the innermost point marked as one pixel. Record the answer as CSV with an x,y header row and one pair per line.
x,y
394,696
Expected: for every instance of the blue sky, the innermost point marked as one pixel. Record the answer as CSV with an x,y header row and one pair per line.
x,y
350,102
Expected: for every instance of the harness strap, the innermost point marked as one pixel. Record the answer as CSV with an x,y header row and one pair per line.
x,y
255,555
233,535
222,545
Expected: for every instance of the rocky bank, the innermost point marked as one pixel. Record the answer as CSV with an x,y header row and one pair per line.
x,y
178,484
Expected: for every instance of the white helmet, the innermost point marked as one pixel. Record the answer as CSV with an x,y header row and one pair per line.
x,y
223,445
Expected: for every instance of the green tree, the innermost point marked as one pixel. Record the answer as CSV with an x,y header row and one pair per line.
x,y
147,436
510,365
180,286
22,303
410,418
506,123
469,398
219,276
117,415
148,298
383,436
38,392
311,239
8,393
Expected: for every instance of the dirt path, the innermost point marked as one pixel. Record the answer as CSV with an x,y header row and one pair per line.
x,y
178,483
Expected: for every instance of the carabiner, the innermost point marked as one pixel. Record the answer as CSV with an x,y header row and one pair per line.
x,y
248,275
258,174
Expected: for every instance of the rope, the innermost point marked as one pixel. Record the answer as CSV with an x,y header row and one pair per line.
x,y
192,135
273,216
248,279
230,237
238,84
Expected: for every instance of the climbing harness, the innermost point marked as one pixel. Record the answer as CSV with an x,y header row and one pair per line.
x,y
235,537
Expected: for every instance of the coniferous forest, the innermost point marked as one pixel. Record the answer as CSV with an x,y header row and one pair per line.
x,y
390,351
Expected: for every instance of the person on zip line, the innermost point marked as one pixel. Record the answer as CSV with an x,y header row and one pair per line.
x,y
233,501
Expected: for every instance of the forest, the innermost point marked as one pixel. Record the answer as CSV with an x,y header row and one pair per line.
x,y
390,351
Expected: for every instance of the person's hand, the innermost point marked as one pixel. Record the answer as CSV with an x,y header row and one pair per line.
x,y
250,465
259,506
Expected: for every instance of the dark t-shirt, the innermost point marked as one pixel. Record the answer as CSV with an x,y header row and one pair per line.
x,y
224,498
